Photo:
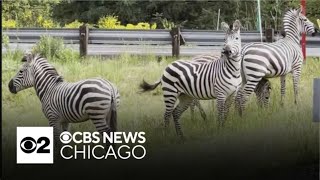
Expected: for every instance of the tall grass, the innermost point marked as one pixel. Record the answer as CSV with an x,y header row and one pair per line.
x,y
280,129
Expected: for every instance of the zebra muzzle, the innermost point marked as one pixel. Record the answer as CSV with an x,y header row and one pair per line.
x,y
227,51
12,89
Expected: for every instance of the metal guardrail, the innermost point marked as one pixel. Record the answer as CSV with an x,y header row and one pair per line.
x,y
133,38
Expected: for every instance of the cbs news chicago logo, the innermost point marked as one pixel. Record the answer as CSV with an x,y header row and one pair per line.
x,y
35,145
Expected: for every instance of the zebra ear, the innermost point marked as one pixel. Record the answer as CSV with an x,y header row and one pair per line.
x,y
299,10
27,57
236,25
224,26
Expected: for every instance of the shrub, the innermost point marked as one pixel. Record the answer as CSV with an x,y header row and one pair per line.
x,y
5,41
46,23
74,24
112,22
108,22
49,47
54,49
167,24
9,23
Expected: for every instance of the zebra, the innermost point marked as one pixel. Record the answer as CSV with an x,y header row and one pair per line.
x,y
187,80
205,58
68,102
269,60
262,91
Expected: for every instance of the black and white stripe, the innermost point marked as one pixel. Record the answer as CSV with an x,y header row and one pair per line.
x,y
269,60
188,80
63,102
262,91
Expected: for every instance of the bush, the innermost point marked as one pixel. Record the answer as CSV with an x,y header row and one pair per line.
x,y
54,49
74,24
108,22
5,41
46,23
49,47
9,23
112,22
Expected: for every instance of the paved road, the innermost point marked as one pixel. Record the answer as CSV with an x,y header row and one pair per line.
x,y
161,50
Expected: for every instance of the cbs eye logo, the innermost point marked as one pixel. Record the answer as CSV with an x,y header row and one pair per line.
x,y
35,145
29,145
65,137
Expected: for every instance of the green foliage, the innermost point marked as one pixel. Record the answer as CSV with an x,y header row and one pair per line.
x,y
112,22
136,14
167,24
108,22
5,41
9,23
55,49
29,13
74,24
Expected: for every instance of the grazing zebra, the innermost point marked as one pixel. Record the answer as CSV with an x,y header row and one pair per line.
x,y
63,102
188,80
263,91
269,60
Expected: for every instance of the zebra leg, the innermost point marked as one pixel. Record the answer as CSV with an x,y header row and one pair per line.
x,y
65,126
196,103
283,88
247,90
192,106
238,100
184,103
169,100
203,114
296,79
57,130
102,127
221,100
228,104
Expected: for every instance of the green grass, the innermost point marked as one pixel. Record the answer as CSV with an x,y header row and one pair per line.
x,y
277,129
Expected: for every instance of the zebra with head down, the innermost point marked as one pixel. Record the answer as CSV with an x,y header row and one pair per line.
x,y
277,59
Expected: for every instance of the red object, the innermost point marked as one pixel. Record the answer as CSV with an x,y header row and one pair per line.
x,y
303,41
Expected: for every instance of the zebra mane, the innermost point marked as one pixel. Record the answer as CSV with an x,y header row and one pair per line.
x,y
289,12
49,68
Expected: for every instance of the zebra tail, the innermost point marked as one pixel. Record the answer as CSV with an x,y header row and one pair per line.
x,y
113,117
149,87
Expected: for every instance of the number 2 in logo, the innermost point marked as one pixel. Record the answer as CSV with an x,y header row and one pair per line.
x,y
29,145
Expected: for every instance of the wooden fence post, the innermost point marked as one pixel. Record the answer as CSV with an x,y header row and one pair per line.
x,y
316,100
84,38
175,35
269,35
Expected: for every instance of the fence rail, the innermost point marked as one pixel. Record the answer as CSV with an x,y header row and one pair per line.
x,y
158,42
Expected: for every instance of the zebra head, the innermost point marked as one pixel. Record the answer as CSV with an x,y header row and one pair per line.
x,y
304,24
263,92
24,78
232,46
